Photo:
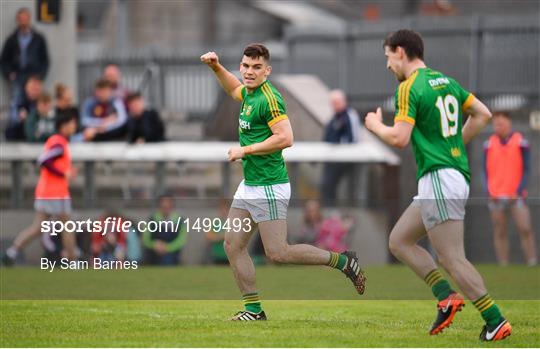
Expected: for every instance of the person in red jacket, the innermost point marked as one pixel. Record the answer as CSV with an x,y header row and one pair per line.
x,y
110,246
52,196
506,168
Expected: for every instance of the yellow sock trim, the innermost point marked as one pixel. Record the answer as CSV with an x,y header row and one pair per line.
x,y
334,258
483,303
433,277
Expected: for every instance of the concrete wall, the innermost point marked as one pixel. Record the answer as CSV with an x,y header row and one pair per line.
x,y
368,236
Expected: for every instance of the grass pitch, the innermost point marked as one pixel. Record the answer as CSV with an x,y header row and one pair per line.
x,y
306,306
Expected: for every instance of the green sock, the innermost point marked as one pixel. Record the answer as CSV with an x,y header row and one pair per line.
x,y
439,286
489,310
337,260
252,303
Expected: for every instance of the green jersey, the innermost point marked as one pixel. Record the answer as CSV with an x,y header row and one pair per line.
x,y
261,109
433,103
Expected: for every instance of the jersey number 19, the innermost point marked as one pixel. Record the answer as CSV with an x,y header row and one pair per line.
x,y
449,115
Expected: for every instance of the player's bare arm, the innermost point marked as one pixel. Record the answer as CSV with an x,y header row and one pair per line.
x,y
282,137
227,80
479,117
397,136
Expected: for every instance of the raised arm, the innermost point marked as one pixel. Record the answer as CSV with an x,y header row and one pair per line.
x,y
226,79
479,117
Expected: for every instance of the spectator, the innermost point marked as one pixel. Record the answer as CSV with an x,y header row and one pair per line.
x,y
104,117
112,74
39,124
133,245
20,111
64,102
342,129
333,233
24,55
110,246
312,223
506,169
217,236
144,125
163,246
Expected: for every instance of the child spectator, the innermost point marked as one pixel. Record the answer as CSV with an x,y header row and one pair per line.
x,y
64,102
144,125
104,117
39,124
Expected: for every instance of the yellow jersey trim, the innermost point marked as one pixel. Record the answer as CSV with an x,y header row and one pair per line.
x,y
405,118
274,109
278,119
237,93
403,95
468,101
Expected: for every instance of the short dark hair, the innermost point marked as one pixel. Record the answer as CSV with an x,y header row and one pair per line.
x,y
502,113
133,96
63,118
409,40
256,50
44,97
165,195
34,77
103,83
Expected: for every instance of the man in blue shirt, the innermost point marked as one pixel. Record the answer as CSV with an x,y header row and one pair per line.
x,y
103,116
24,54
343,128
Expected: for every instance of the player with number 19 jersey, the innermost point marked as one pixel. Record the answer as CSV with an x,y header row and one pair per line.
x,y
433,103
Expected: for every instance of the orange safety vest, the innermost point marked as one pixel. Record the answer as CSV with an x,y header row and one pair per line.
x,y
51,186
504,166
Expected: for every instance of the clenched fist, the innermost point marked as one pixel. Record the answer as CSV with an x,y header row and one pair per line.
x,y
211,59
373,119
236,153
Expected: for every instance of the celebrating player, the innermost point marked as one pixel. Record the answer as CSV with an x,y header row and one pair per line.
x,y
429,110
263,195
52,192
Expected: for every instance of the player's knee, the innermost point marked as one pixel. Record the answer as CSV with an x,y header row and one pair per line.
x,y
231,247
276,256
395,246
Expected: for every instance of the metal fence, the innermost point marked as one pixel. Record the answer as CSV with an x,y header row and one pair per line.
x,y
179,85
498,58
176,86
